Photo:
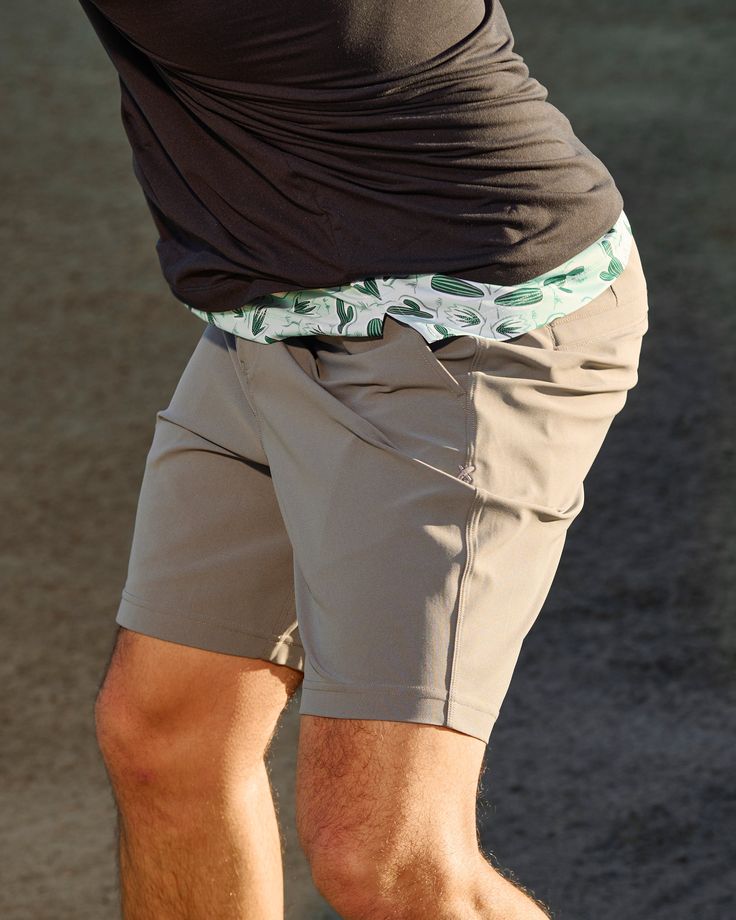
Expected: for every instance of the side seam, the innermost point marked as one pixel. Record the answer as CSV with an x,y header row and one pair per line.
x,y
471,529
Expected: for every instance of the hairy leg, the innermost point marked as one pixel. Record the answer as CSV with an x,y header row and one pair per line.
x,y
386,817
184,733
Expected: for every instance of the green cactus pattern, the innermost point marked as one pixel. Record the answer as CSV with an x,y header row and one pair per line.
x,y
456,286
523,297
438,305
375,327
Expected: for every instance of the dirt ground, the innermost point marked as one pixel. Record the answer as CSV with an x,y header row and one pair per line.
x,y
609,783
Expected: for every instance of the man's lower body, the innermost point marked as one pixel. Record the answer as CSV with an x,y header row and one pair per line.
x,y
379,520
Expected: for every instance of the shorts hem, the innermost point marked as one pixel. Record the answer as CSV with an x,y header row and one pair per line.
x,y
392,706
198,632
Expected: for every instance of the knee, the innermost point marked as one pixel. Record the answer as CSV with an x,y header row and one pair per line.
x,y
138,746
402,880
162,725
345,877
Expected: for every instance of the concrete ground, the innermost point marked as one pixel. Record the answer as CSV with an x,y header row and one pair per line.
x,y
609,778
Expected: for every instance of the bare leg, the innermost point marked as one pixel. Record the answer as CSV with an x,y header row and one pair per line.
x,y
386,817
184,733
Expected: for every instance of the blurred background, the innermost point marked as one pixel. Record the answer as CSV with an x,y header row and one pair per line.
x,y
609,780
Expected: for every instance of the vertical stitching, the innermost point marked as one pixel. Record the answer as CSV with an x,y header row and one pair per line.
x,y
470,531
470,544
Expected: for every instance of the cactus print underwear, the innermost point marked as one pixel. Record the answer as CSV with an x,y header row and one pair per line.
x,y
436,305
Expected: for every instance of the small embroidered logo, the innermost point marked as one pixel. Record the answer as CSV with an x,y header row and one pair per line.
x,y
465,472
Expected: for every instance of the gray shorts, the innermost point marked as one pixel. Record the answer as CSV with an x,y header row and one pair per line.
x,y
383,514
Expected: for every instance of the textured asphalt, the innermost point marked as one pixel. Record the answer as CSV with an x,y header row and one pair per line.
x,y
608,788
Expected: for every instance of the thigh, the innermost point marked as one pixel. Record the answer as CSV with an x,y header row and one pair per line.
x,y
543,404
368,784
210,563
427,493
365,439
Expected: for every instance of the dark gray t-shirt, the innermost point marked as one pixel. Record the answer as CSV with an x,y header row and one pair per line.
x,y
285,144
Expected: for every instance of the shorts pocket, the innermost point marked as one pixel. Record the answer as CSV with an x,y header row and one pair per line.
x,y
623,306
449,360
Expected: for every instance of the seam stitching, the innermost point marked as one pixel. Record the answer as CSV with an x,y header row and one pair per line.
x,y
388,689
470,438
